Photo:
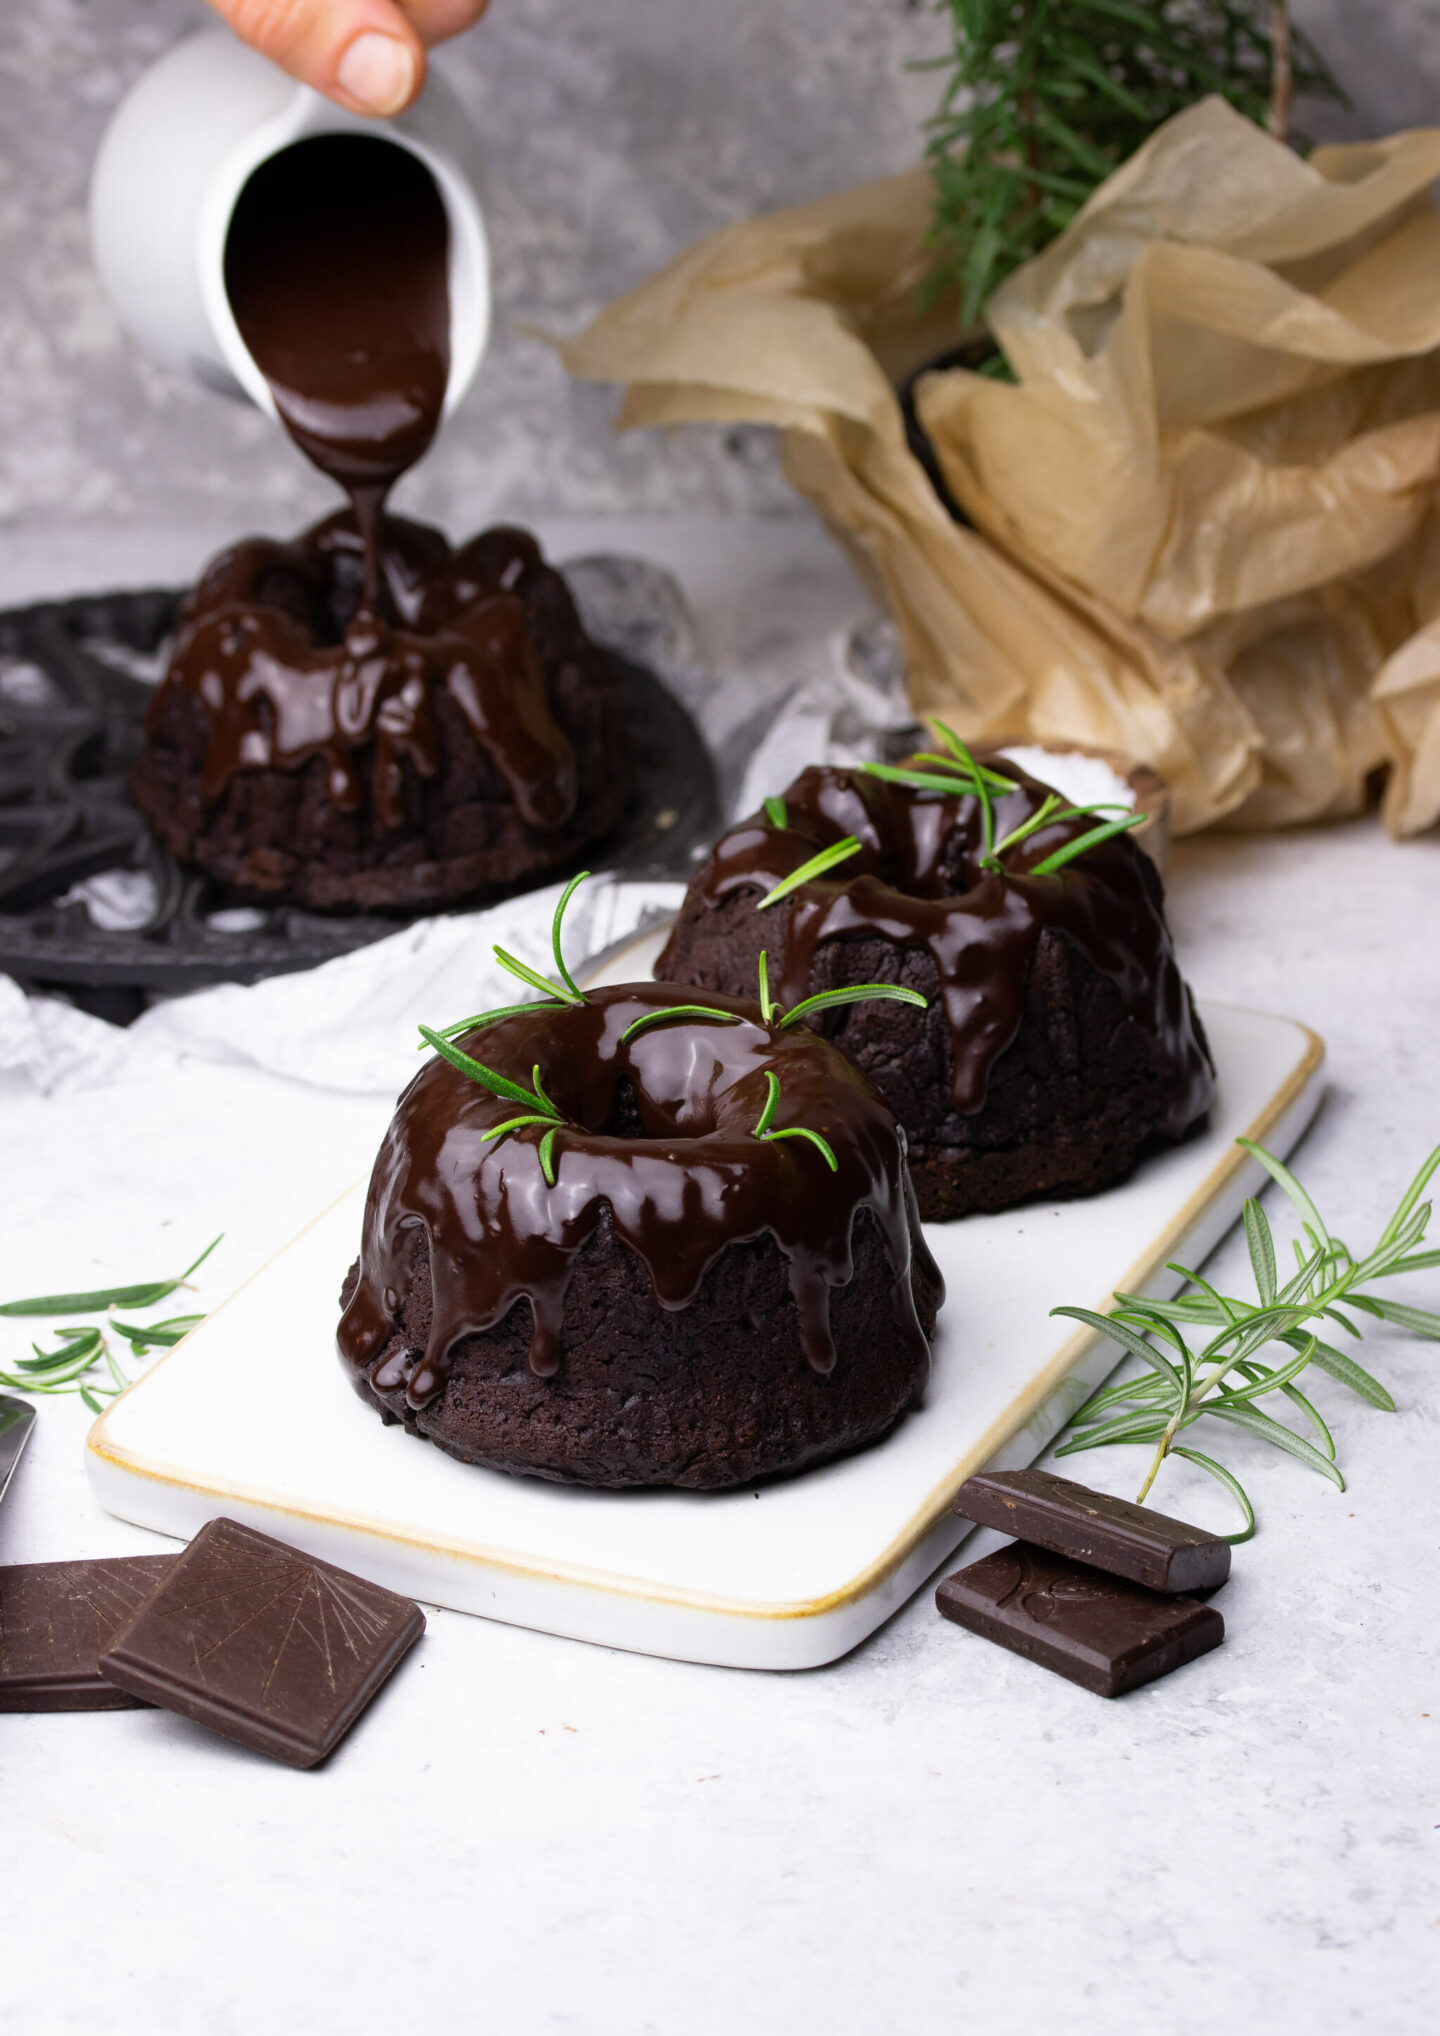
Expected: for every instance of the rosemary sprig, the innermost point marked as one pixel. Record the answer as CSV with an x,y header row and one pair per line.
x,y
669,1011
73,1365
539,1108
771,1012
826,859
856,993
143,1296
557,995
1051,810
957,774
767,1114
1225,1378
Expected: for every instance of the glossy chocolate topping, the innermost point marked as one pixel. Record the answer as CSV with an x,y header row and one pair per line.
x,y
680,1188
286,673
916,882
336,271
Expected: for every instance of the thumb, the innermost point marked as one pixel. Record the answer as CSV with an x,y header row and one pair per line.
x,y
365,54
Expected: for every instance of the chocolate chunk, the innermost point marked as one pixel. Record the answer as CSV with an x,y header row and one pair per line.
x,y
1106,1635
1110,1534
263,1644
55,1618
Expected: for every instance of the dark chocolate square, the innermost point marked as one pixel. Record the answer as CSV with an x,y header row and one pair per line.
x,y
263,1644
1112,1534
1099,1631
55,1619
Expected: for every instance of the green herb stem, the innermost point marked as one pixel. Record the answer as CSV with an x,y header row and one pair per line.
x,y
1225,1379
818,866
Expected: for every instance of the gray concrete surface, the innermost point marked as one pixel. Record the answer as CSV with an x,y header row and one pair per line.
x,y
618,131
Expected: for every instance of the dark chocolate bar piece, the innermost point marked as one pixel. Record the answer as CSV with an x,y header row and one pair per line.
x,y
263,1644
1110,1534
1104,1634
55,1618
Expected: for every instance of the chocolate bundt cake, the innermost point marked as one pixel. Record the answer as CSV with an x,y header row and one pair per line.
x,y
1058,1040
674,1248
462,734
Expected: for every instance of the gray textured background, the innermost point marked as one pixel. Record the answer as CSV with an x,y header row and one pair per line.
x,y
617,132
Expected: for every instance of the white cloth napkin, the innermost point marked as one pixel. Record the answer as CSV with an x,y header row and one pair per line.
x,y
350,1023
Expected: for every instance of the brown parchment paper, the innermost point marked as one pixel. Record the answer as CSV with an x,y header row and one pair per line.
x,y
1204,521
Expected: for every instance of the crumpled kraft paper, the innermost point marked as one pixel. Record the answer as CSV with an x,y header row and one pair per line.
x,y
1205,519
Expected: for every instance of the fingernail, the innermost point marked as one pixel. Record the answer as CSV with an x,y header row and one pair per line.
x,y
378,71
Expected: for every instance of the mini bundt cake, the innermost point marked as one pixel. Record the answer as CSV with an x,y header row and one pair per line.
x,y
641,1245
1058,1040
461,735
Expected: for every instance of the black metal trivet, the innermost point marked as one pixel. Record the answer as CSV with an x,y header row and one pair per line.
x,y
72,704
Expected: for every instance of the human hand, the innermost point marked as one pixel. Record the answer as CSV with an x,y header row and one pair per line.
x,y
368,55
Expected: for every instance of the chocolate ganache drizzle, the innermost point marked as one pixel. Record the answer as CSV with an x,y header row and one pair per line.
x,y
917,881
336,270
255,646
692,1181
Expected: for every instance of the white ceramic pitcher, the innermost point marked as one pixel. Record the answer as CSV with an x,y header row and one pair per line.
x,y
173,162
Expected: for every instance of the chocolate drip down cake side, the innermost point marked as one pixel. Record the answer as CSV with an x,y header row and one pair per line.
x,y
364,718
304,745
641,1244
1058,1040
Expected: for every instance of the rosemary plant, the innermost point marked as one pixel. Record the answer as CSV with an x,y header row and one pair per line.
x,y
1224,1379
1043,99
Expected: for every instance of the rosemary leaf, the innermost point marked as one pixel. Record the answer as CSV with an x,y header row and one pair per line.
x,y
1408,1200
1283,1438
772,1097
678,1011
515,1124
1325,1357
1232,1485
1092,838
163,1335
1289,1187
1419,1321
982,773
775,813
498,1084
464,1025
1262,1249
1125,1337
1262,1379
953,787
804,1131
576,995
144,1296
526,974
1123,1428
858,993
817,866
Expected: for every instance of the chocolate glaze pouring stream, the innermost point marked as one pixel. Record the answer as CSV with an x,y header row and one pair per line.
x,y
336,270
336,267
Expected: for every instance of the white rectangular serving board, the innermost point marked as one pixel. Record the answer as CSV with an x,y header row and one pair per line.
x,y
251,1416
